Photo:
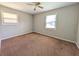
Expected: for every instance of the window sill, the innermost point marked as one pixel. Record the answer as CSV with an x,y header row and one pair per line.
x,y
51,28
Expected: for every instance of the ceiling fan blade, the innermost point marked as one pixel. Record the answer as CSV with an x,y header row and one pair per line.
x,y
29,4
41,7
38,3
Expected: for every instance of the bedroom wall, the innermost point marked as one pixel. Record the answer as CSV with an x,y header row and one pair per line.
x,y
23,26
77,41
66,24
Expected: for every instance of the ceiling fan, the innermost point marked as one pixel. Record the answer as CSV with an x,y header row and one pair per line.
x,y
36,5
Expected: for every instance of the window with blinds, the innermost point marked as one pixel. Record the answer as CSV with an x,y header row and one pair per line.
x,y
9,18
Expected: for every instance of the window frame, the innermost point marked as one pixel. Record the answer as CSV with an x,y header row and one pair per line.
x,y
46,22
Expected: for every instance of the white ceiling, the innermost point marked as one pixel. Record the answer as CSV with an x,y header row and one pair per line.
x,y
22,6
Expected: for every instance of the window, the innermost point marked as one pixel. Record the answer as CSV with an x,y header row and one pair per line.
x,y
51,21
9,18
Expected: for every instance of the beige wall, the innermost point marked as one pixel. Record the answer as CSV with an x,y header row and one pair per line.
x,y
66,25
24,25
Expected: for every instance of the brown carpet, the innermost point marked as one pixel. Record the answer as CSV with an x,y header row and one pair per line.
x,y
35,44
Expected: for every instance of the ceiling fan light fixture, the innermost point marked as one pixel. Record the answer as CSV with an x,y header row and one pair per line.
x,y
36,4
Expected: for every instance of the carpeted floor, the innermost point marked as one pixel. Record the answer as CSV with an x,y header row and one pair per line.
x,y
35,44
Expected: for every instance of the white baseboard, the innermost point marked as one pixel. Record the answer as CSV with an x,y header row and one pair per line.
x,y
14,36
64,39
58,38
